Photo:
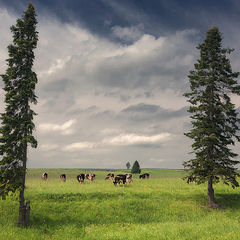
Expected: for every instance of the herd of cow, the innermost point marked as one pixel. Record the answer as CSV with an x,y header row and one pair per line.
x,y
120,178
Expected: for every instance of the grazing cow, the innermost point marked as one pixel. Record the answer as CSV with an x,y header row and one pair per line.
x,y
128,178
81,178
44,176
191,179
121,178
145,175
63,177
91,177
110,176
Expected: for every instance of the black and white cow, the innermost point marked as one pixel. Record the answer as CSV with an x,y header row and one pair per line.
x,y
121,178
191,178
91,177
145,175
109,176
81,178
44,176
128,178
63,177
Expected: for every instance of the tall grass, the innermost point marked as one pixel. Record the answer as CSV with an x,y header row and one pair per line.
x,y
162,207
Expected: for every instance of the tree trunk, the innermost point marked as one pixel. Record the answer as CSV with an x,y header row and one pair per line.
x,y
24,210
21,216
211,198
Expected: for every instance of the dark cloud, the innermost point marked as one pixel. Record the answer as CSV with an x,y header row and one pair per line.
x,y
57,86
149,112
141,107
155,17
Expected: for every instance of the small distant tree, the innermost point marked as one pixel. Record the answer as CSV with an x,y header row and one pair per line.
x,y
128,165
17,120
136,168
215,124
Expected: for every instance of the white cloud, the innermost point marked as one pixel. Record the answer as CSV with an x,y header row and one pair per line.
x,y
65,128
130,139
120,140
79,146
145,46
55,66
128,33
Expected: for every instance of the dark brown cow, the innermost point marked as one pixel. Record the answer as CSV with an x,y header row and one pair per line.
x,y
63,177
109,176
145,175
44,176
81,178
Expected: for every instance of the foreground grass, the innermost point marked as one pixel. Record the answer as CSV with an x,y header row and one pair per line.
x,y
162,207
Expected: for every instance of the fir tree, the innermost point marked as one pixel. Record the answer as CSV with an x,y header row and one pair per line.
x,y
17,120
136,168
215,123
128,165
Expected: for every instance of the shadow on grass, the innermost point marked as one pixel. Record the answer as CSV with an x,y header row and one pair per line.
x,y
84,209
89,215
73,197
229,200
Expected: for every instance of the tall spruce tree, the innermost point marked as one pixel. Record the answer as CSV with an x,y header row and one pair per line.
x,y
17,120
215,123
136,167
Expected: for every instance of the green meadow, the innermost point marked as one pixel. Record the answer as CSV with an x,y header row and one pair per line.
x,y
162,207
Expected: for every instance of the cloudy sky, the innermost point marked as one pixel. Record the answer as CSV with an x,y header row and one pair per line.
x,y
111,77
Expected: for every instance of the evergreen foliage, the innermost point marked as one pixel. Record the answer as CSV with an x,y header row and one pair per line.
x,y
17,120
136,167
128,165
215,123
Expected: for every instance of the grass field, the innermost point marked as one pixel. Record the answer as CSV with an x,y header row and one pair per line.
x,y
162,207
